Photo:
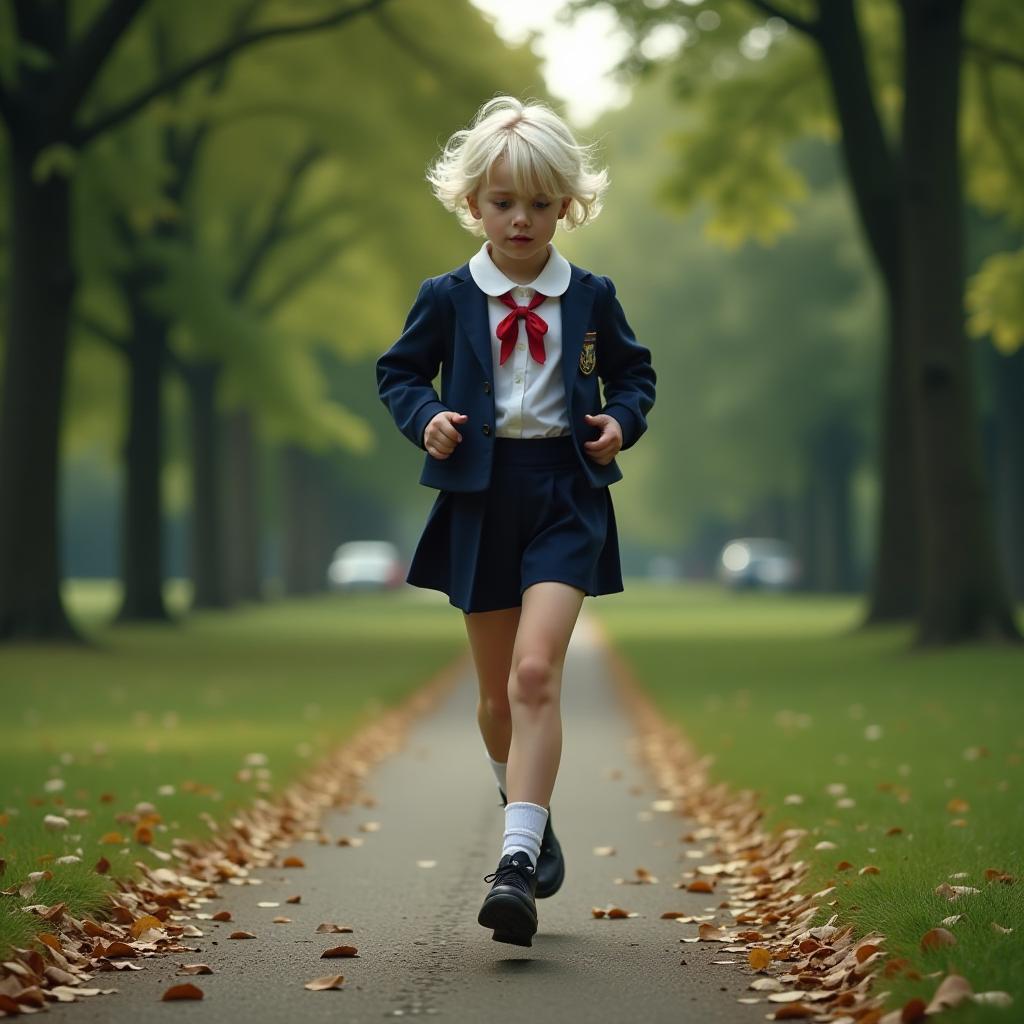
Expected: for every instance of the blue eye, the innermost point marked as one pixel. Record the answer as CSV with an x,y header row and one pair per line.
x,y
540,204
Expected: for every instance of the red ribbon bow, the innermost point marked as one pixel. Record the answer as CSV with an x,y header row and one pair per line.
x,y
508,329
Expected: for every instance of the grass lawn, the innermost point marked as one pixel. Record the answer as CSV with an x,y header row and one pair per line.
x,y
171,714
791,701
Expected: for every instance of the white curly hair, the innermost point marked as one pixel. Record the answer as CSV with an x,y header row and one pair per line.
x,y
542,155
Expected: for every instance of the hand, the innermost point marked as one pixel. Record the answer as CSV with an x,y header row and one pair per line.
x,y
609,444
441,436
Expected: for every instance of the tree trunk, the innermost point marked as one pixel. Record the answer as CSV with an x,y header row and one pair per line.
x,y
874,183
306,539
242,508
142,543
895,588
963,593
1008,392
42,282
208,559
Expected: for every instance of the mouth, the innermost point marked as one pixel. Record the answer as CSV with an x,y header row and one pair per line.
x,y
520,238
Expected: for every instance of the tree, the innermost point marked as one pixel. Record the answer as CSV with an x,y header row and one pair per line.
x,y
909,207
42,100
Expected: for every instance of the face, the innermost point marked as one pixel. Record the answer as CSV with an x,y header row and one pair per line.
x,y
518,227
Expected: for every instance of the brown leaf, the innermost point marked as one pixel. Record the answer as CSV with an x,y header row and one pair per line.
x,y
759,958
912,1011
144,834
996,875
936,938
195,969
118,948
794,1011
102,866
184,991
144,923
339,951
865,950
281,920
953,991
958,806
323,984
241,935
868,869
293,862
221,915
294,899
701,885
332,928
712,933
50,940
111,838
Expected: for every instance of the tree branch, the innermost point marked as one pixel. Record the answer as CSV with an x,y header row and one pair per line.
x,y
104,122
102,332
809,28
320,261
83,63
996,53
274,226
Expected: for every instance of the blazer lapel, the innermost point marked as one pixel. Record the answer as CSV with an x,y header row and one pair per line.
x,y
471,315
576,304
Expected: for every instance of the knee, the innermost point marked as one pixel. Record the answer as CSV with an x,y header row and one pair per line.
x,y
533,681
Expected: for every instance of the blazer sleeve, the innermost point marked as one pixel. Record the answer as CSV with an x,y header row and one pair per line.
x,y
627,375
406,370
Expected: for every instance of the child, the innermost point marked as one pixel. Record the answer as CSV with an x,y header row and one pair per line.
x,y
521,452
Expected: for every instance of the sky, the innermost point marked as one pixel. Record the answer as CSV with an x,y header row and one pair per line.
x,y
577,60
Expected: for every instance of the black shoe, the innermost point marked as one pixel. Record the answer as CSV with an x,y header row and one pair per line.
x,y
550,863
509,907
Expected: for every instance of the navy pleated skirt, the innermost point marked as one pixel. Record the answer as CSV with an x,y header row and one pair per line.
x,y
539,520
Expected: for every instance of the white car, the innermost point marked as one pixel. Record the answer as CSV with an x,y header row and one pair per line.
x,y
365,564
758,562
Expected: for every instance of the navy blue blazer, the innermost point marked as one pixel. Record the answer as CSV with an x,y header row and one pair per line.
x,y
448,328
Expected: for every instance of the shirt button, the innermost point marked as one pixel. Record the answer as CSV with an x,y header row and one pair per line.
x,y
519,380
520,347
486,428
487,387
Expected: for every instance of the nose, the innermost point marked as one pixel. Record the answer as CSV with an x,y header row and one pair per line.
x,y
521,216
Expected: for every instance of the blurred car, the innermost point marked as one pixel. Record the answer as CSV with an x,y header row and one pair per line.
x,y
365,565
766,562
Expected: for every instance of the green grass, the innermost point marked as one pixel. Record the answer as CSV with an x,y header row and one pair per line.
x,y
789,698
183,706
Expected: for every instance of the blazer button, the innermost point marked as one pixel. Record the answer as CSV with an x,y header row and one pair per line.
x,y
486,428
487,387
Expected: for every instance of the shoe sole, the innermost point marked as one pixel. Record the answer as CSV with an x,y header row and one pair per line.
x,y
510,918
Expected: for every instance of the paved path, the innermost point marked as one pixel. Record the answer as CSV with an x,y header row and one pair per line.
x,y
421,951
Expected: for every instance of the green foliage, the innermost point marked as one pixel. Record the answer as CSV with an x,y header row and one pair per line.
x,y
995,299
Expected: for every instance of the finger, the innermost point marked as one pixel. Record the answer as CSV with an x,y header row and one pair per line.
x,y
448,431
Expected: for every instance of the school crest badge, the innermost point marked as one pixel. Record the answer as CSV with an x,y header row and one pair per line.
x,y
588,355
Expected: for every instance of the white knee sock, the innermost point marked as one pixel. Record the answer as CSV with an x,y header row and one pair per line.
x,y
500,768
524,828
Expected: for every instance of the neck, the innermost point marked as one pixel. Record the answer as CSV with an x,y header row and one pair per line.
x,y
522,272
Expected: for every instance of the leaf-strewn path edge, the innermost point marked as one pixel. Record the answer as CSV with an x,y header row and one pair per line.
x,y
144,914
829,973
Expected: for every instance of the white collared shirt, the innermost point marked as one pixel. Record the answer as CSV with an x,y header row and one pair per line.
x,y
529,397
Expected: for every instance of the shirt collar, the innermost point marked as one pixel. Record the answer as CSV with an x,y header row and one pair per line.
x,y
552,280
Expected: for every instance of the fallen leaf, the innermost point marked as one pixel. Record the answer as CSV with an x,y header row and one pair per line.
x,y
604,851
332,928
958,806
323,984
370,826
785,997
294,899
766,985
195,969
936,938
912,1011
293,862
281,920
759,958
144,923
1001,999
712,933
998,928
794,1011
426,863
111,838
701,885
241,935
267,903
185,991
953,991
339,951
222,915
868,869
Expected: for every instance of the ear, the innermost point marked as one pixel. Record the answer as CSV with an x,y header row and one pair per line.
x,y
474,209
566,200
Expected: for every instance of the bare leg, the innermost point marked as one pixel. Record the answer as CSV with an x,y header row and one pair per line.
x,y
491,636
549,614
